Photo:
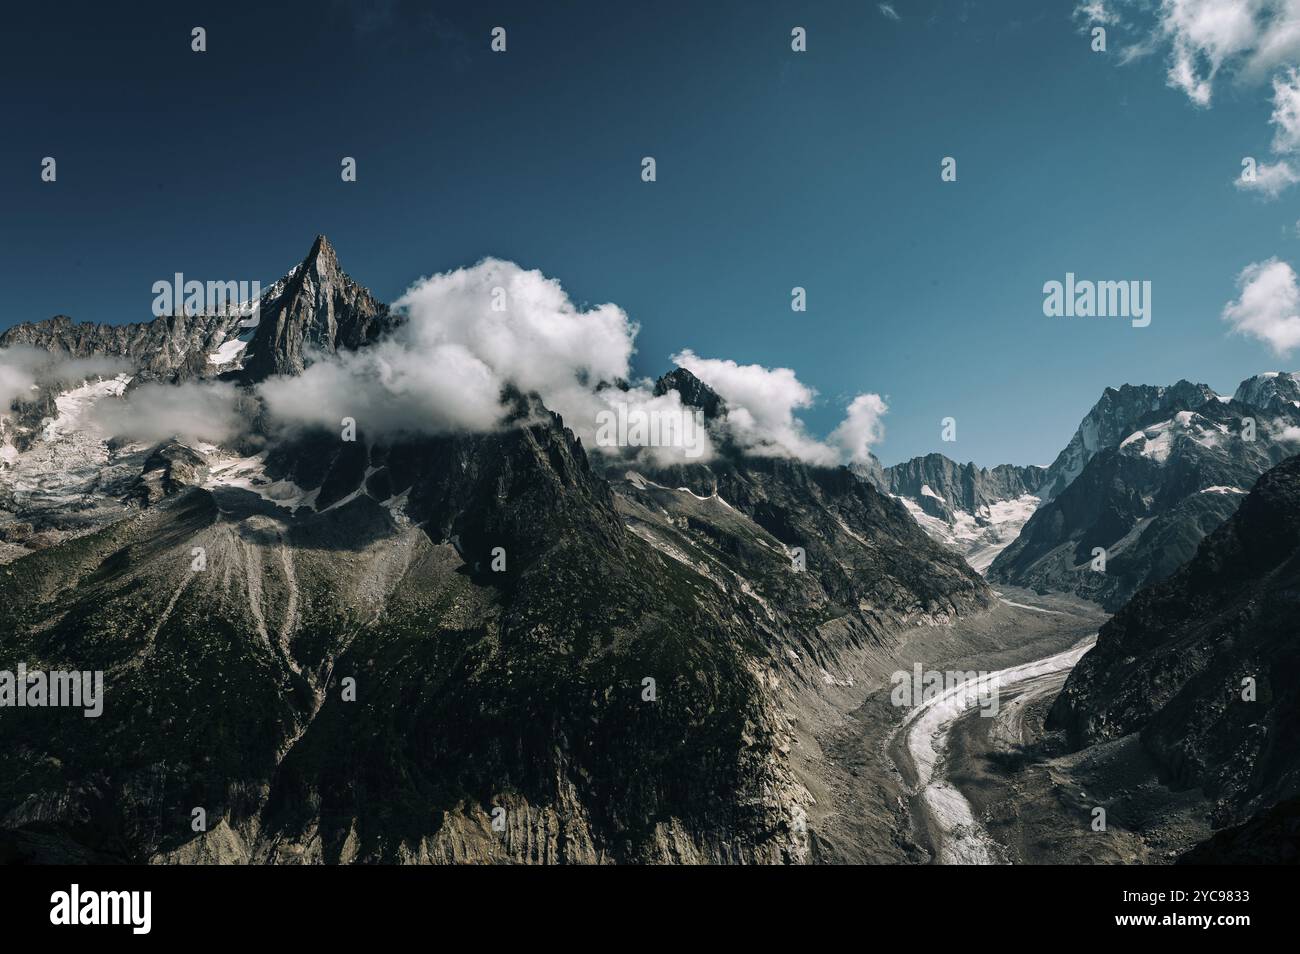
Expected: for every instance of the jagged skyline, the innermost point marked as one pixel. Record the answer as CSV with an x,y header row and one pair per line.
x,y
463,153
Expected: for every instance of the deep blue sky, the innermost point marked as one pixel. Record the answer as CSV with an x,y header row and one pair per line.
x,y
775,169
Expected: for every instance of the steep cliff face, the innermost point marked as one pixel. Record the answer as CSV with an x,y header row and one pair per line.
x,y
317,308
952,486
1115,417
500,624
860,544
974,511
1206,664
169,348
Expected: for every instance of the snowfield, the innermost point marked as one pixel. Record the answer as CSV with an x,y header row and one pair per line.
x,y
71,457
977,538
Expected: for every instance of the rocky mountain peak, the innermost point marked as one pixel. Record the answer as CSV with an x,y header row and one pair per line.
x,y
322,252
1118,413
693,392
316,307
1269,388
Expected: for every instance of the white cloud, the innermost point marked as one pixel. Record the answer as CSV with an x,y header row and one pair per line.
x,y
1271,179
1278,40
193,411
445,369
1096,11
1206,38
1268,305
17,374
1206,34
761,405
23,369
683,433
863,426
889,11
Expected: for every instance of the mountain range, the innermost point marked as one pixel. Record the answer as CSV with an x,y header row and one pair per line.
x,y
504,646
1148,474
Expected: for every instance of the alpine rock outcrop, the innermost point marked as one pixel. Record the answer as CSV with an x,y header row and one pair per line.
x,y
1149,473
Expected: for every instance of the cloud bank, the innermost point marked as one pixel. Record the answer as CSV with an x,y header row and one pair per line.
x,y
761,405
196,411
474,334
469,335
471,339
24,370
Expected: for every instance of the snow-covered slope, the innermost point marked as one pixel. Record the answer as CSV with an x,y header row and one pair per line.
x,y
1151,485
68,478
1113,418
976,511
977,537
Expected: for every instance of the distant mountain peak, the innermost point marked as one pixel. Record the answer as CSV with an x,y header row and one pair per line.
x,y
1268,388
322,258
316,307
1115,416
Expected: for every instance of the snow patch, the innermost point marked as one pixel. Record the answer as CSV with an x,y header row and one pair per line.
x,y
228,352
249,473
978,538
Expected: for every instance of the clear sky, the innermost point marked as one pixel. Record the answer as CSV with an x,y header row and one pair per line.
x,y
775,169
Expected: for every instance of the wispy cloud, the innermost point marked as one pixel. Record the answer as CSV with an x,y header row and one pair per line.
x,y
1271,179
1205,39
208,411
25,370
889,11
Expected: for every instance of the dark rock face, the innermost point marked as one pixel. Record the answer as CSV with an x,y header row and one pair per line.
x,y
693,392
1270,838
1173,661
1149,499
1115,417
956,486
521,688
169,469
170,348
864,548
317,308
